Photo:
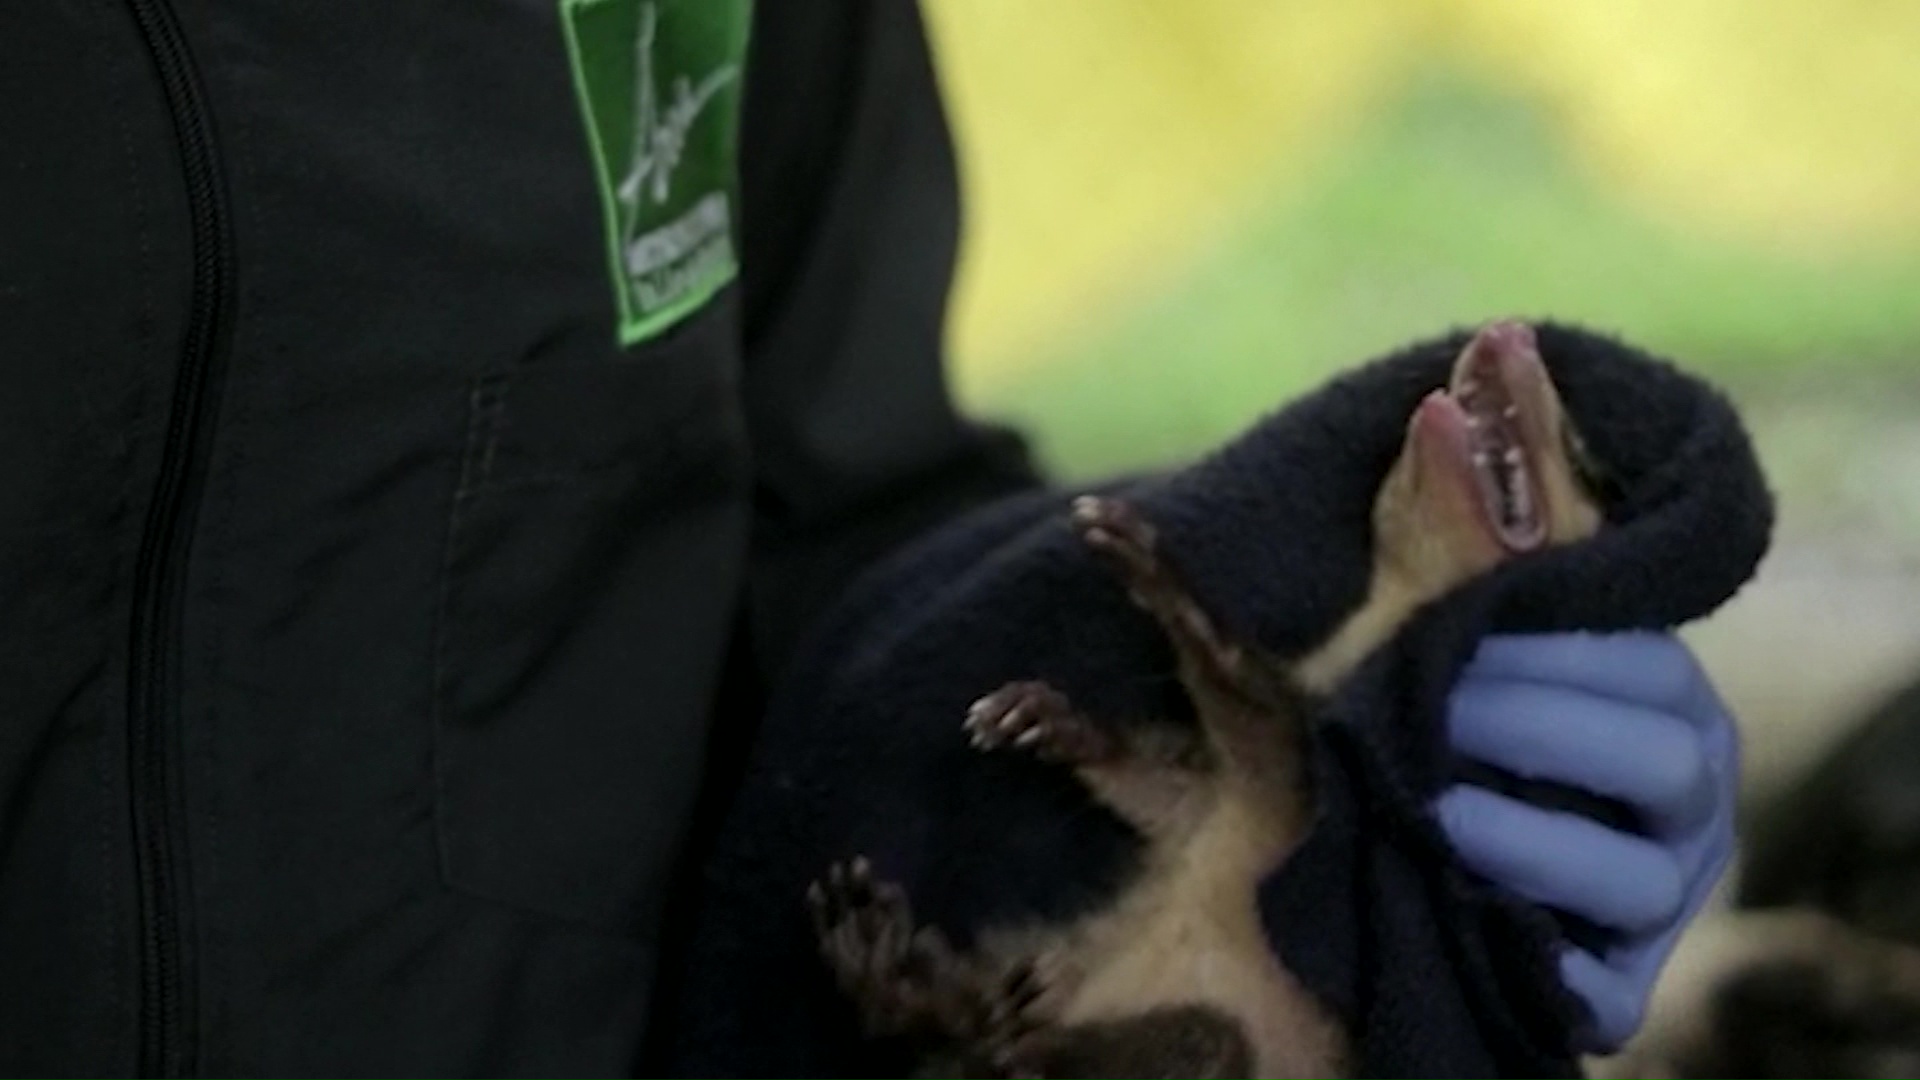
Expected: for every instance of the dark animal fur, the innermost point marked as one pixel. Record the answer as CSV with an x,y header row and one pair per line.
x,y
1164,781
1433,973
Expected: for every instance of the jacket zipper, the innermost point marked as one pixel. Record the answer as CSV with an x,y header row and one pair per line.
x,y
166,1042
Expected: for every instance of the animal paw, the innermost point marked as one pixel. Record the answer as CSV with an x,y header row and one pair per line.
x,y
1118,532
1035,717
900,978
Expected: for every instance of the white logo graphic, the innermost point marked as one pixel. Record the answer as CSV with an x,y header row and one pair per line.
x,y
660,136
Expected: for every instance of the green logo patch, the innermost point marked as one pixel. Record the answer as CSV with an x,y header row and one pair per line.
x,y
659,83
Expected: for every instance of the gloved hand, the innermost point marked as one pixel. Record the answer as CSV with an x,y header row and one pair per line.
x,y
1630,716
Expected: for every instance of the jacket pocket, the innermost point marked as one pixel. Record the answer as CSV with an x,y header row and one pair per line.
x,y
592,564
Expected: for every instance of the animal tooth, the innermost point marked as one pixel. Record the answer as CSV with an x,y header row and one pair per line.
x,y
1480,458
1512,456
1511,412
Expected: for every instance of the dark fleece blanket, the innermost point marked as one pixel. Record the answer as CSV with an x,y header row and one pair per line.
x,y
1433,972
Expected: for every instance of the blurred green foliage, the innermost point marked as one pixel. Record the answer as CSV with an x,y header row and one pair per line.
x,y
1456,206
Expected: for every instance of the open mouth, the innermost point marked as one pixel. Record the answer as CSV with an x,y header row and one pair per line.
x,y
1496,383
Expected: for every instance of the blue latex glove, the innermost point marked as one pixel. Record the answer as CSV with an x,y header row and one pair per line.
x,y
1630,716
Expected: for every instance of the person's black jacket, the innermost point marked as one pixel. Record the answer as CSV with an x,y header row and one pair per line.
x,y
365,604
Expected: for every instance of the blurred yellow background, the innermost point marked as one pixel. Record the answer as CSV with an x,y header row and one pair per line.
x,y
1108,144
1182,212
